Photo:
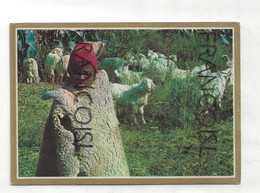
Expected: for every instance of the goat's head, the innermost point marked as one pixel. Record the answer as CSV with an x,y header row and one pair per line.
x,y
224,57
117,73
58,51
227,60
227,74
30,62
173,57
122,71
150,52
148,85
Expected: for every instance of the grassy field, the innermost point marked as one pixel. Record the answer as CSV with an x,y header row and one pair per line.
x,y
160,148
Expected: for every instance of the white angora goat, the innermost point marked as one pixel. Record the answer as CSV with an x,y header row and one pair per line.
x,y
131,99
31,70
54,63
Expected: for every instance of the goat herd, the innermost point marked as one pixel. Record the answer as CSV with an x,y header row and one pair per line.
x,y
130,88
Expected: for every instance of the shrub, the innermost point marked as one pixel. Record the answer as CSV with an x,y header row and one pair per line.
x,y
174,104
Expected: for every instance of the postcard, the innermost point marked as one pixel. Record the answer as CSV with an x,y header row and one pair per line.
x,y
125,103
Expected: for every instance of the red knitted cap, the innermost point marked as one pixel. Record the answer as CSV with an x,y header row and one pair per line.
x,y
83,52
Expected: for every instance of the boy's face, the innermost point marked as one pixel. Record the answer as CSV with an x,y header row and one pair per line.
x,y
82,77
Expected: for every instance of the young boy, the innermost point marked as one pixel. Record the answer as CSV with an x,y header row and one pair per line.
x,y
82,66
81,136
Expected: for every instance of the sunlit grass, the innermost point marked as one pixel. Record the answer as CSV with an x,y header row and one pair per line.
x,y
159,148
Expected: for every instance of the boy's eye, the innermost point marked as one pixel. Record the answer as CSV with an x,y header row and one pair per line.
x,y
83,73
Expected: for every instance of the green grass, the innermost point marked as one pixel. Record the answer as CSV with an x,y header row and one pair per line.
x,y
151,152
161,148
32,116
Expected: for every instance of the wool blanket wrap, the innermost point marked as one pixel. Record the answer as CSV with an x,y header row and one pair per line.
x,y
81,136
